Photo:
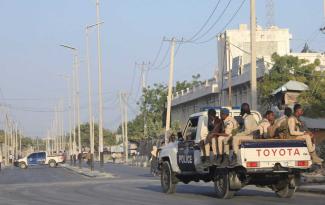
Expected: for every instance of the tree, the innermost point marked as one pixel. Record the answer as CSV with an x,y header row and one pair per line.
x,y
153,109
287,68
108,136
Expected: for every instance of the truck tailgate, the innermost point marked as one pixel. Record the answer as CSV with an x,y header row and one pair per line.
x,y
259,154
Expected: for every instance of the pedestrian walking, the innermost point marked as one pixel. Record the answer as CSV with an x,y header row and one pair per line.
x,y
114,157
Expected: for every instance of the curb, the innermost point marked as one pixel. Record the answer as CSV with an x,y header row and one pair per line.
x,y
87,173
310,189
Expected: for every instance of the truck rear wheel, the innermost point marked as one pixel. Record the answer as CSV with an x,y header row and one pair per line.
x,y
167,178
222,186
22,165
285,189
52,163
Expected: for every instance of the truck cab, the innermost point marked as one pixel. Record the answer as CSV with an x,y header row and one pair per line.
x,y
273,163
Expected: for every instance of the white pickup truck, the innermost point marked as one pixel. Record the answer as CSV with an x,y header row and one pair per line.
x,y
39,158
276,164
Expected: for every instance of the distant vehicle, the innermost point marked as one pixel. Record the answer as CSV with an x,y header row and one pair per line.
x,y
276,164
39,158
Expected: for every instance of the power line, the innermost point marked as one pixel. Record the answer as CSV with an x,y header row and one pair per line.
x,y
167,64
162,61
133,77
224,27
215,22
158,53
206,22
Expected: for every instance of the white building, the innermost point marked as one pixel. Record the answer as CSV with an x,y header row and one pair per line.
x,y
234,56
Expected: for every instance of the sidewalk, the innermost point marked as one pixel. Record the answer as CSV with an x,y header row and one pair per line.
x,y
312,183
312,188
87,172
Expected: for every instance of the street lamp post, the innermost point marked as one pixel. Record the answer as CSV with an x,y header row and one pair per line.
x,y
90,112
76,93
67,78
100,89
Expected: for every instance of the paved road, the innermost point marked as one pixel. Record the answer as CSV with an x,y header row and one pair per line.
x,y
39,186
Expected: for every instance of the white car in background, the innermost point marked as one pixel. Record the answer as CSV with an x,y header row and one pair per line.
x,y
39,158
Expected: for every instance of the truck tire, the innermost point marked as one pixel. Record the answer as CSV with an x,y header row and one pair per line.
x,y
222,186
52,163
22,165
286,190
167,179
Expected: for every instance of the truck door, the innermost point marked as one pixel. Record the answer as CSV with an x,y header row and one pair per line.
x,y
41,157
32,159
185,154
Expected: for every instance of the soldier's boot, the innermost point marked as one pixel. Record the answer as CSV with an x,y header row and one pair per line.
x,y
214,160
225,160
316,159
233,161
208,161
219,159
203,159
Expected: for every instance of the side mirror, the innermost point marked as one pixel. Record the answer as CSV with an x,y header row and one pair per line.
x,y
180,136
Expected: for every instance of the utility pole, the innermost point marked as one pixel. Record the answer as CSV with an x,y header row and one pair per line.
x,y
62,126
11,137
74,123
16,142
122,118
173,42
78,102
229,75
253,55
323,28
143,67
20,135
37,144
126,140
67,78
6,139
100,89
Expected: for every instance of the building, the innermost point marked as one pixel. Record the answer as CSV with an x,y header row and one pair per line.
x,y
234,57
234,62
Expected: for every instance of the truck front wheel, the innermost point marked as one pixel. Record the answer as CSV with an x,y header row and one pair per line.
x,y
222,186
52,163
167,179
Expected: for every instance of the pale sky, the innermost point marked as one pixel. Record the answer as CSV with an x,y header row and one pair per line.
x,y
31,59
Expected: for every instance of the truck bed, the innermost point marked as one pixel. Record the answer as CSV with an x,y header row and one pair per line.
x,y
275,155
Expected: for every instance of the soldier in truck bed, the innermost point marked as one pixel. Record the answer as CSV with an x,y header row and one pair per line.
x,y
215,129
296,132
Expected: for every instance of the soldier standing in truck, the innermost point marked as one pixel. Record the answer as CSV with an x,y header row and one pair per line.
x,y
295,125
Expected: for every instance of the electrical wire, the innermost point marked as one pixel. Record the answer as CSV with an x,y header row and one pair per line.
x,y
215,22
206,22
167,64
162,61
223,28
158,53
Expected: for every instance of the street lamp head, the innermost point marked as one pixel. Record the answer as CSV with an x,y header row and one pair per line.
x,y
93,25
69,47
